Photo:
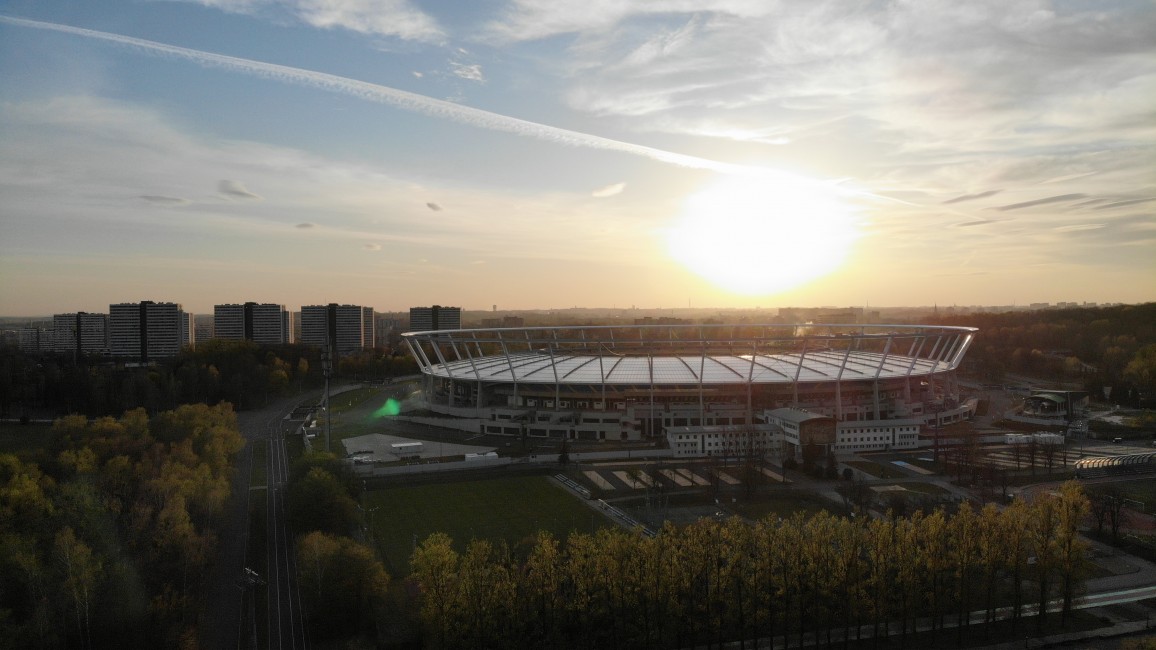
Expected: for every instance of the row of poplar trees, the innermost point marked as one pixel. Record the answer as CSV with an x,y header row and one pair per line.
x,y
823,579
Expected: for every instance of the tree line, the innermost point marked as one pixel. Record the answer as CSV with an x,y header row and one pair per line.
x,y
243,373
344,585
715,582
1102,347
104,542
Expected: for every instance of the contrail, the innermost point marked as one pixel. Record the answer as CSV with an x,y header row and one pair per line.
x,y
398,98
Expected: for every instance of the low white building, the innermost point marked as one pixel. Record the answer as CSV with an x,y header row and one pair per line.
x,y
731,441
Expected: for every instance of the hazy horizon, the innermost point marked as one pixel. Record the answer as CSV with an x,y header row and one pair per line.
x,y
944,308
395,153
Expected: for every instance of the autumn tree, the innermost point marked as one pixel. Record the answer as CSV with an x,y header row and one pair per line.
x,y
343,586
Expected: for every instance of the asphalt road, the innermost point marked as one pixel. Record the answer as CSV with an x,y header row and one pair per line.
x,y
227,617
286,628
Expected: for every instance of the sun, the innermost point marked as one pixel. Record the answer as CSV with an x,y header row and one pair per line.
x,y
762,233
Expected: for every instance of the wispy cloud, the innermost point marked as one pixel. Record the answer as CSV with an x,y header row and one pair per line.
x,y
305,225
1051,199
396,18
372,247
433,206
609,190
235,190
1080,227
469,72
1121,204
972,197
165,200
397,98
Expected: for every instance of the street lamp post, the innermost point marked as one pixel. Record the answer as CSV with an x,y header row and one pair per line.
x,y
327,370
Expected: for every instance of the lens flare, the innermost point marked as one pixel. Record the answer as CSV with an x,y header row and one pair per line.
x,y
391,407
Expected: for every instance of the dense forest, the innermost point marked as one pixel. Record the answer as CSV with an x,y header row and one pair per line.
x,y
724,581
1099,347
242,373
104,542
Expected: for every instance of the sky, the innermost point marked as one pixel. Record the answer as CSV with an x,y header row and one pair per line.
x,y
548,153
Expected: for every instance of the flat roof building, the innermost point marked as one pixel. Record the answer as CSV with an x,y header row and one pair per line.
x,y
261,323
424,319
148,330
80,333
337,327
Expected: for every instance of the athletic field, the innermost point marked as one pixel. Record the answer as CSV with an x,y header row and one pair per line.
x,y
510,509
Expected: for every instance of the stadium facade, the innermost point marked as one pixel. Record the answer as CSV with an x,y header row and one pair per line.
x,y
705,389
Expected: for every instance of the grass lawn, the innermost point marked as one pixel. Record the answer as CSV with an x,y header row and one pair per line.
x,y
510,509
925,488
782,504
874,469
24,440
1143,491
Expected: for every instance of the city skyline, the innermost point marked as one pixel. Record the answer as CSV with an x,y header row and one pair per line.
x,y
550,154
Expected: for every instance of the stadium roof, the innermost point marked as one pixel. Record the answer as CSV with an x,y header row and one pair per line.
x,y
762,369
689,355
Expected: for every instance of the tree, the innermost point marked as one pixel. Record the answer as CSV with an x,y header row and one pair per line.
x,y
320,502
434,568
81,574
343,585
1141,370
1071,549
1042,524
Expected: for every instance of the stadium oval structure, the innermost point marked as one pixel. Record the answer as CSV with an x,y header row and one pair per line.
x,y
880,384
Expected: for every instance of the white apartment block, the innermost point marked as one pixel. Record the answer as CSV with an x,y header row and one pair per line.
x,y
261,323
148,330
36,339
424,319
80,333
338,327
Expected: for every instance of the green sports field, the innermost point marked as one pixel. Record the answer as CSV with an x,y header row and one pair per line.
x,y
510,509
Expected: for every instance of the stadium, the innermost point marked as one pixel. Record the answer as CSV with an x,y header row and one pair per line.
x,y
704,389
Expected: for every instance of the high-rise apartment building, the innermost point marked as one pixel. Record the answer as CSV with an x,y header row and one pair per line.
x,y
338,327
148,330
36,339
368,327
424,319
261,323
80,333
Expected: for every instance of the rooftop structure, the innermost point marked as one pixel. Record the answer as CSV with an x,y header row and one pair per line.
x,y
879,383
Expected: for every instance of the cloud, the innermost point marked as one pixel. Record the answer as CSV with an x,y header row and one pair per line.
x,y
609,190
396,18
433,206
165,200
1081,227
235,190
372,247
977,222
470,72
897,87
1051,199
1120,204
306,225
397,98
972,197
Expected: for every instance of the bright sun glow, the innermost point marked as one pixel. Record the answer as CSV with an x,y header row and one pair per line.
x,y
762,234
